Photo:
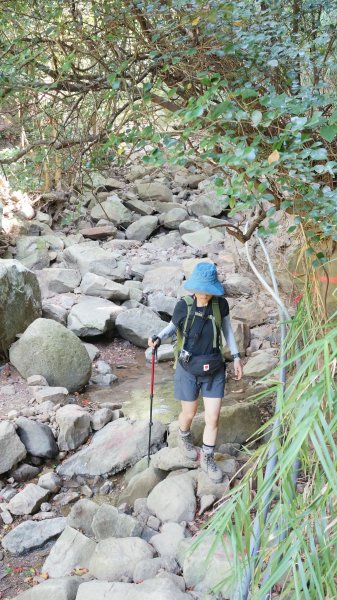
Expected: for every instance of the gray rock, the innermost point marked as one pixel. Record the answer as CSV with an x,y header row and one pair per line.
x,y
238,285
32,534
32,251
108,522
20,300
118,445
93,316
88,258
141,484
57,281
142,228
165,352
139,171
28,500
201,238
104,380
202,575
139,207
12,449
173,218
100,418
151,589
25,473
137,324
209,203
150,567
58,355
161,303
115,558
50,481
154,192
55,395
92,350
96,285
260,364
206,502
238,423
189,226
171,459
249,312
206,487
37,438
52,310
167,241
64,588
166,279
81,516
114,210
74,424
72,549
173,499
167,541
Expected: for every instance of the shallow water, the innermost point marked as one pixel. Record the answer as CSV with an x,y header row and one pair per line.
x,y
132,390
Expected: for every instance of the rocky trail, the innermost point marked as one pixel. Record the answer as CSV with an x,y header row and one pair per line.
x,y
81,512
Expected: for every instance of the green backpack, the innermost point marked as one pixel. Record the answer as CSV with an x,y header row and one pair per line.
x,y
215,317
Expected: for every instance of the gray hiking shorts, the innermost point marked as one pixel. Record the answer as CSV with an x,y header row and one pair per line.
x,y
187,387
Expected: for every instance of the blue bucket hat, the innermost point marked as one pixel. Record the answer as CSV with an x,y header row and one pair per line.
x,y
204,278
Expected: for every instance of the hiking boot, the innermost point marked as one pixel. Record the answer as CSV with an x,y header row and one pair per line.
x,y
186,446
208,464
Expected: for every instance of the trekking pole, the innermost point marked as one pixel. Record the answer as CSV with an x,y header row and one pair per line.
x,y
154,353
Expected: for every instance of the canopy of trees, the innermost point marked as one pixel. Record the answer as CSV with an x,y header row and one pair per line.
x,y
249,86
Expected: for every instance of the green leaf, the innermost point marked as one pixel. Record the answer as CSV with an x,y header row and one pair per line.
x,y
328,132
256,117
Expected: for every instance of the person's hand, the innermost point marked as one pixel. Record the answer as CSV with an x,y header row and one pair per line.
x,y
154,341
238,369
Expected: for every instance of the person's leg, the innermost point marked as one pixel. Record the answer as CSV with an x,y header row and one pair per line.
x,y
188,411
212,414
207,463
185,442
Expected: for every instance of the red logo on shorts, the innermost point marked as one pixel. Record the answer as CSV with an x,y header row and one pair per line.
x,y
206,367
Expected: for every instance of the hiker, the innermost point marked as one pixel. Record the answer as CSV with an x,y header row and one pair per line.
x,y
200,367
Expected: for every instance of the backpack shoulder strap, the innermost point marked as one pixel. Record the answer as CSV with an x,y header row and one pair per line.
x,y
187,324
218,321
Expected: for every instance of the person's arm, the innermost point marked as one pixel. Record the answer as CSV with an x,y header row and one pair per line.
x,y
231,342
165,333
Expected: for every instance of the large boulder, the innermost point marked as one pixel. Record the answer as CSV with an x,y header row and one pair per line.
x,y
115,558
108,522
47,348
202,237
72,549
173,499
20,300
137,324
118,445
238,423
32,534
93,316
142,228
261,364
37,438
151,589
88,257
74,424
202,575
57,281
28,500
64,588
209,204
12,449
165,279
96,285
113,210
154,191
